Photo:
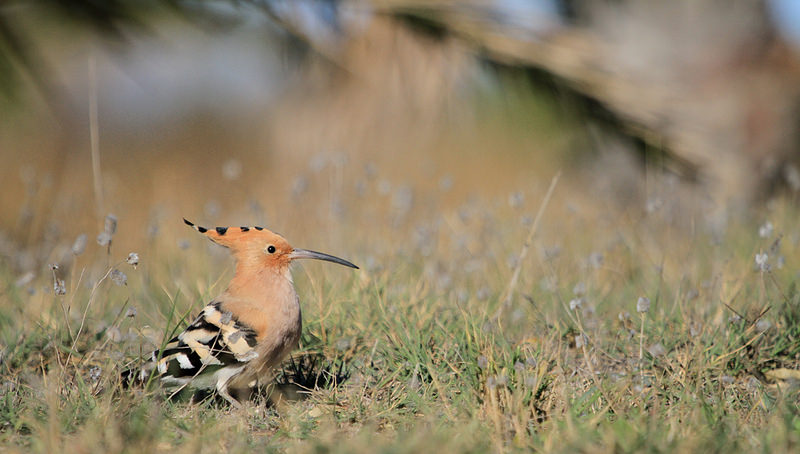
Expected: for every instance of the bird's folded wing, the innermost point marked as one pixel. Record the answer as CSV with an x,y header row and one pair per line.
x,y
215,338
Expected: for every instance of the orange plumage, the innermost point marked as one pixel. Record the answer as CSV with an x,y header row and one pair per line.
x,y
249,328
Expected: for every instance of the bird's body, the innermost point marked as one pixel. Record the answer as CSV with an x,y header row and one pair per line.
x,y
245,331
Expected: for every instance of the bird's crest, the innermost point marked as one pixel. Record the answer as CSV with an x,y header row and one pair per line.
x,y
233,237
260,247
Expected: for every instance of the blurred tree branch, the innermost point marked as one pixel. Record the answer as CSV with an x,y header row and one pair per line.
x,y
713,85
114,22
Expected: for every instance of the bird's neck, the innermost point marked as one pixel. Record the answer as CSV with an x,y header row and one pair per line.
x,y
265,299
257,283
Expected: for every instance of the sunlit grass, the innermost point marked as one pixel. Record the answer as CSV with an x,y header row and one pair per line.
x,y
418,351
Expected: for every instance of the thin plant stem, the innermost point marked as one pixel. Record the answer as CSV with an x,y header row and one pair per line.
x,y
641,339
512,283
94,138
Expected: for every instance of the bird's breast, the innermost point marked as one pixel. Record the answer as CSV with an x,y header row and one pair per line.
x,y
271,308
282,333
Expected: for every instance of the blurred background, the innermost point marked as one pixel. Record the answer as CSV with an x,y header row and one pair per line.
x,y
351,122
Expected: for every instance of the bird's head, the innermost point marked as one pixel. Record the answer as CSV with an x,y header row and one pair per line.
x,y
260,247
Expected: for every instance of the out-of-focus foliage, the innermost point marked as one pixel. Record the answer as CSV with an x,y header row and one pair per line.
x,y
114,22
712,89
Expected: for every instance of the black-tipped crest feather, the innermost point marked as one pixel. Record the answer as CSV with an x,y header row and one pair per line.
x,y
196,227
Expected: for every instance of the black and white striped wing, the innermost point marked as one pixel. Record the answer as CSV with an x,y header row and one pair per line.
x,y
214,340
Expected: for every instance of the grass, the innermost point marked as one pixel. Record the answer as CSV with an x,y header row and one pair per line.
x,y
419,351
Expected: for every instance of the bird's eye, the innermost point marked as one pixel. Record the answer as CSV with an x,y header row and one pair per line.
x,y
271,249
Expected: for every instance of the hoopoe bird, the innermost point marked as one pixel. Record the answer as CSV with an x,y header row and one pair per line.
x,y
245,331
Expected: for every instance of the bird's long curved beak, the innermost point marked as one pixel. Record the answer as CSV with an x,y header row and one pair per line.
x,y
306,254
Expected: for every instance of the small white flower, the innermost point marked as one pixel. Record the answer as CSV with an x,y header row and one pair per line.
x,y
595,260
119,278
110,224
384,187
131,312
152,230
79,245
515,199
232,169
763,325
299,186
59,288
133,259
104,239
765,231
653,204
761,261
402,199
114,334
643,304
576,303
